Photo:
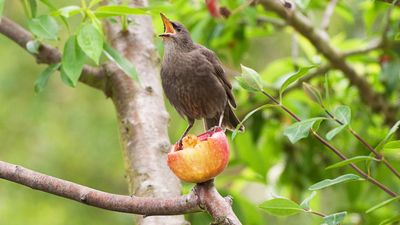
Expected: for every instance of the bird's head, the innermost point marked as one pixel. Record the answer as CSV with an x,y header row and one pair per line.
x,y
175,34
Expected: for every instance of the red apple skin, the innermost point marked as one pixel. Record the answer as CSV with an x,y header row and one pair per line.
x,y
202,157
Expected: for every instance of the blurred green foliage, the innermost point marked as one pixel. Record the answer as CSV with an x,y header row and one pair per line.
x,y
72,133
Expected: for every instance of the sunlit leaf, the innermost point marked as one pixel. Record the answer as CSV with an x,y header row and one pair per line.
x,y
41,82
305,204
335,219
33,7
388,136
313,94
343,114
72,60
281,207
93,3
330,182
67,11
121,61
44,27
90,41
390,220
300,130
118,10
351,160
384,203
332,133
294,77
33,46
250,79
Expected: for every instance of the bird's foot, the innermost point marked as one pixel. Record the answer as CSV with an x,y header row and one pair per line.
x,y
178,145
215,129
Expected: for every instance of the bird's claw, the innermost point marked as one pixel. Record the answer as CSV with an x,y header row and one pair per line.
x,y
179,145
215,129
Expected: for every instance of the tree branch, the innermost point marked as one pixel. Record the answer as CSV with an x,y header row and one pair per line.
x,y
328,14
203,195
120,203
92,76
318,38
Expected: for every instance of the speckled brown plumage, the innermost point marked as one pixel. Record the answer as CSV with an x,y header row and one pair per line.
x,y
194,81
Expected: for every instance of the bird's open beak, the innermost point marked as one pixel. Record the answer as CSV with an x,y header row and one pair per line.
x,y
168,28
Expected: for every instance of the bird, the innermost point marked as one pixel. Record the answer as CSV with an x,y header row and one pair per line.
x,y
194,81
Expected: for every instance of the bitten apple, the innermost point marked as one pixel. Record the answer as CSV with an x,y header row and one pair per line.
x,y
202,157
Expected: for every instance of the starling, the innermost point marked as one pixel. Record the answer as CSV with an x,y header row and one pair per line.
x,y
194,81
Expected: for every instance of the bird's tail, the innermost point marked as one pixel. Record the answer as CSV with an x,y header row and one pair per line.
x,y
230,121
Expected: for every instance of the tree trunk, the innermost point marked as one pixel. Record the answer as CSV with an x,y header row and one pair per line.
x,y
142,116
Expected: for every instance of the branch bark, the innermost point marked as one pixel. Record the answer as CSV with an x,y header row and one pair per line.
x,y
92,76
142,115
318,38
120,203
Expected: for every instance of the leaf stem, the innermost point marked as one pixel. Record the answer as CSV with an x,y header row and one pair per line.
x,y
378,156
334,149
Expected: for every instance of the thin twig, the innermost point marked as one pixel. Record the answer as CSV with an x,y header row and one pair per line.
x,y
317,37
377,155
328,14
333,149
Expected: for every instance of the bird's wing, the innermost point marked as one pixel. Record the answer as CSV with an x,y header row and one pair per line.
x,y
219,72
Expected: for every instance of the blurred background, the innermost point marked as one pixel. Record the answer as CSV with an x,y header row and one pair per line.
x,y
72,133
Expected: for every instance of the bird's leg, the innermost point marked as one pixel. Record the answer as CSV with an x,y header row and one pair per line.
x,y
179,143
221,118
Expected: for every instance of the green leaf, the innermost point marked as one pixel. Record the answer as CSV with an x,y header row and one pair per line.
x,y
305,204
331,134
93,3
1,8
65,79
390,220
397,36
294,77
330,182
392,146
335,219
300,130
250,79
41,82
67,11
343,114
72,60
244,85
33,46
90,41
44,27
118,10
384,203
281,207
313,93
351,160
121,61
388,136
33,7
234,133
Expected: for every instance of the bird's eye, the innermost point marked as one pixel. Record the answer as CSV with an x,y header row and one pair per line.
x,y
176,27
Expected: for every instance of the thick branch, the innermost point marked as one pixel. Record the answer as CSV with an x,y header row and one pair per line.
x,y
120,203
202,196
94,77
318,38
